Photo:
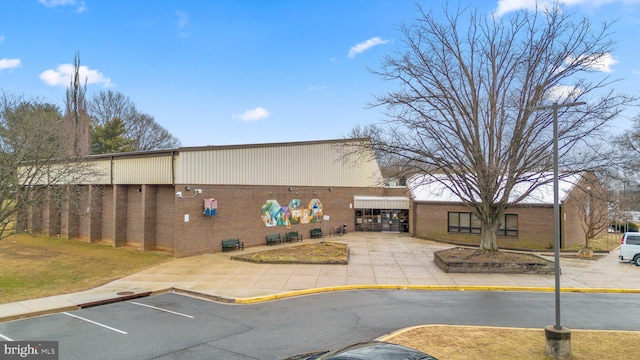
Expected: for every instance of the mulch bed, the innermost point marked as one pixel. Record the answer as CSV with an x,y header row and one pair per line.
x,y
320,253
465,260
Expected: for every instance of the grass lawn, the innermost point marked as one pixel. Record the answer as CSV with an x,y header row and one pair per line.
x,y
470,342
38,266
605,242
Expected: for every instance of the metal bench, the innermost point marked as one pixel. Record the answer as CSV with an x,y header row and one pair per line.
x,y
292,236
232,243
315,233
274,239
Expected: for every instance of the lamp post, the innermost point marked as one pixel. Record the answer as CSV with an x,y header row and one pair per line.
x,y
558,343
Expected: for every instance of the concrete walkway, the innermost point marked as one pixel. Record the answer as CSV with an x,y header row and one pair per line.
x,y
377,260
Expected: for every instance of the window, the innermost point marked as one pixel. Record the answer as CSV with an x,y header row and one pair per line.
x,y
509,226
464,222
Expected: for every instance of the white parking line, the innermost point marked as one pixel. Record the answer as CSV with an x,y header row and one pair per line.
x,y
96,323
6,338
161,309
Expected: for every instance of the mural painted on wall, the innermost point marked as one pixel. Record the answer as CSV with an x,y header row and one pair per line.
x,y
273,214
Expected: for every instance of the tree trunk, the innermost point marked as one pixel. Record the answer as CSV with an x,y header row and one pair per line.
x,y
488,240
489,229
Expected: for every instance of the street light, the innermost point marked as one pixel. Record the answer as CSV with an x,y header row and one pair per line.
x,y
556,231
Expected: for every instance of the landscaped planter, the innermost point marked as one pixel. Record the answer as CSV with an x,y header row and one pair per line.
x,y
460,260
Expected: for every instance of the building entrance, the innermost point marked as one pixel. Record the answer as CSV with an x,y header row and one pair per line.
x,y
391,220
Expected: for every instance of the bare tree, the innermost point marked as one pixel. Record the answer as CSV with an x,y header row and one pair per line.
x,y
147,134
33,163
591,201
108,105
76,116
463,110
141,129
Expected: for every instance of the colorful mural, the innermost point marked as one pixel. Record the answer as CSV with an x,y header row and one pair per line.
x,y
273,214
271,211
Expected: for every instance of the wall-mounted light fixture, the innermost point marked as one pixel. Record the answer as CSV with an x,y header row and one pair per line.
x,y
139,190
330,189
290,189
187,188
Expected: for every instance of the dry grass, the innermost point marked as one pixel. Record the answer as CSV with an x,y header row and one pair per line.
x,y
38,266
604,242
319,253
462,343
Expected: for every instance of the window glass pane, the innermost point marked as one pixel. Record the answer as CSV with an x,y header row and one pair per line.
x,y
453,219
465,220
511,222
475,222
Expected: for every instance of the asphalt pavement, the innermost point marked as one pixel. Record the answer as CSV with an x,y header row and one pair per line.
x,y
376,261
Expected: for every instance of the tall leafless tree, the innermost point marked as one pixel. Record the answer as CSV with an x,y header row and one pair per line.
x,y
463,109
76,116
142,130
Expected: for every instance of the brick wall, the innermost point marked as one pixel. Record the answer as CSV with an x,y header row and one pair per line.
x,y
239,210
535,225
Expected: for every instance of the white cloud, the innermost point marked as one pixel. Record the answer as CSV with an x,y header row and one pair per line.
x,y
364,46
81,6
562,93
253,115
2,38
9,63
183,19
316,88
62,76
597,62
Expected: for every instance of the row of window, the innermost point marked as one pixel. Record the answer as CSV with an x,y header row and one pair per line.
x,y
466,222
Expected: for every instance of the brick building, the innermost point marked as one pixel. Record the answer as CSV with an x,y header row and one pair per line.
x,y
187,200
438,214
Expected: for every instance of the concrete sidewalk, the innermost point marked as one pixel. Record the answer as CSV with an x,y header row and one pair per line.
x,y
377,260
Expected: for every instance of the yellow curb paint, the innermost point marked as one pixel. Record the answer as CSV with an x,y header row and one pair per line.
x,y
427,288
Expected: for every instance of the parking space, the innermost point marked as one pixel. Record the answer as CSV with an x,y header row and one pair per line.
x,y
172,326
138,328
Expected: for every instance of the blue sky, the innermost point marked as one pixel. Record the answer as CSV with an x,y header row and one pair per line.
x,y
237,72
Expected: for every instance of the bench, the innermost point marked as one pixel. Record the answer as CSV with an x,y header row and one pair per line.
x,y
274,239
316,233
232,243
292,235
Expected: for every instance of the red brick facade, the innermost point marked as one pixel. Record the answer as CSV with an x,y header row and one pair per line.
x,y
535,222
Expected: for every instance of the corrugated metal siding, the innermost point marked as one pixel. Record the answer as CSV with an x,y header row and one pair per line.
x,y
389,202
304,164
142,170
290,164
100,172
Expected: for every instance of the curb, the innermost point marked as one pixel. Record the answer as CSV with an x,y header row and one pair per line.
x,y
290,294
258,299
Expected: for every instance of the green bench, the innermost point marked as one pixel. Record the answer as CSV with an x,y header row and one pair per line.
x,y
316,233
232,243
274,239
292,236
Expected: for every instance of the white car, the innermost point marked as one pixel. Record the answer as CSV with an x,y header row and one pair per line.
x,y
630,247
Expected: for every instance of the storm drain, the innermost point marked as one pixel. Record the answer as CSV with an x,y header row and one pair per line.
x,y
110,298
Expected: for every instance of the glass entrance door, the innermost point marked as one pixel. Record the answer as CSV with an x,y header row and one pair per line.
x,y
390,220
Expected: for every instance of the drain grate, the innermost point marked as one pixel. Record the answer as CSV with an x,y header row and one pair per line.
x,y
104,299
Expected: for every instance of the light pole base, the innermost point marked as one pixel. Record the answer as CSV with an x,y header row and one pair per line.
x,y
557,342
